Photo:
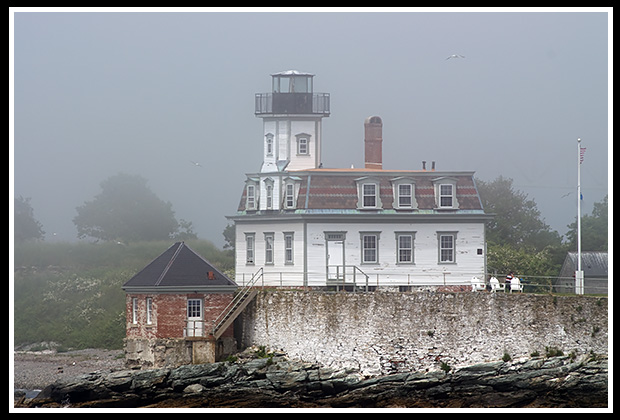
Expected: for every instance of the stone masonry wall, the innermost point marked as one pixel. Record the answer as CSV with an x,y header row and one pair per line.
x,y
382,333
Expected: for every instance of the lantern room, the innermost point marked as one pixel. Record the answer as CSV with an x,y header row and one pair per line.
x,y
292,93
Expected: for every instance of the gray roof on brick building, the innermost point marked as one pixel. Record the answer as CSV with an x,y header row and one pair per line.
x,y
180,269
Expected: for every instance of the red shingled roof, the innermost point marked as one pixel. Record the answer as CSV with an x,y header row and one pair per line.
x,y
337,188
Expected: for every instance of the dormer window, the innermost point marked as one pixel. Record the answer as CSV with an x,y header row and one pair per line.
x,y
368,196
404,195
251,197
290,196
403,190
268,193
445,193
251,194
291,190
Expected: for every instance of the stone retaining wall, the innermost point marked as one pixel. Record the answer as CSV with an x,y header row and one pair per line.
x,y
382,333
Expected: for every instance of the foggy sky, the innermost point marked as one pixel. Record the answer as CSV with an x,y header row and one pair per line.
x,y
146,93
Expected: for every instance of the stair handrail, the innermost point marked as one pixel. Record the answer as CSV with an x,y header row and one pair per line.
x,y
355,269
238,298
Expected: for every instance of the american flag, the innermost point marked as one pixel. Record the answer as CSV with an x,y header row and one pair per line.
x,y
582,151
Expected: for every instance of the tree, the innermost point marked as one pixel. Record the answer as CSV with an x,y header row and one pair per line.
x,y
25,226
229,237
517,219
594,229
185,231
126,210
518,238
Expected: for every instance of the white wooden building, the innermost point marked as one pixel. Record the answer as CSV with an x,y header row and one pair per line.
x,y
299,224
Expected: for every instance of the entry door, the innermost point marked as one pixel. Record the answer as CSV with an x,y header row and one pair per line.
x,y
195,322
335,259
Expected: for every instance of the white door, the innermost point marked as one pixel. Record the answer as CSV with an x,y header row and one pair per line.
x,y
335,260
195,322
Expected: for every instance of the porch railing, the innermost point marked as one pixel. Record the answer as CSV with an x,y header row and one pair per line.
x,y
347,276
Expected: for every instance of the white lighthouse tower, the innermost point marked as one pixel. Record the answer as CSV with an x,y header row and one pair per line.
x,y
292,117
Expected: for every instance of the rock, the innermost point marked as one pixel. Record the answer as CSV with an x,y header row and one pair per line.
x,y
278,382
193,389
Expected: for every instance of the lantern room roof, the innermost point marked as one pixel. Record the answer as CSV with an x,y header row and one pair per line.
x,y
292,73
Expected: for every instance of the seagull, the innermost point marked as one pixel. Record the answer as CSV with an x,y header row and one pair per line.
x,y
195,163
455,56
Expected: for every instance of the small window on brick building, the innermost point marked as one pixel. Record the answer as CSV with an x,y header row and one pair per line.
x,y
149,310
134,310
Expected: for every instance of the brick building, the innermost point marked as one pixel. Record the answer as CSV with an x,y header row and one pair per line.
x,y
174,302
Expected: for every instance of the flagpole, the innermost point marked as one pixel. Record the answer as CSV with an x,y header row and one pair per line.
x,y
579,274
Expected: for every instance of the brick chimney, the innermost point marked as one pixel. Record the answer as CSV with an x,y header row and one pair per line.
x,y
373,140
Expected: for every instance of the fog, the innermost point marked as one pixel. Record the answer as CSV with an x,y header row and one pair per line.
x,y
147,93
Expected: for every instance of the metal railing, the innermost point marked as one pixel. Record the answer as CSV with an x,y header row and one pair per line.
x,y
264,103
370,280
236,305
347,276
194,328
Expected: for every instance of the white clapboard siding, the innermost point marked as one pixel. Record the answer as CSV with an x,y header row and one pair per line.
x,y
310,253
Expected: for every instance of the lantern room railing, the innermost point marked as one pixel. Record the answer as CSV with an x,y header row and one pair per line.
x,y
292,103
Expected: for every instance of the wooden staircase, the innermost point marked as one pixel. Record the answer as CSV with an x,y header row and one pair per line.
x,y
236,306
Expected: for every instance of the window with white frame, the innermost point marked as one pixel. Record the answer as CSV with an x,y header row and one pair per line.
x,y
269,144
288,247
302,146
134,310
369,195
446,195
269,196
268,248
249,248
194,308
447,247
370,247
149,310
289,196
405,193
404,245
251,197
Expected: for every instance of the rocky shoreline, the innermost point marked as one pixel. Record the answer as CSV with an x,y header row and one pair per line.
x,y
34,370
272,381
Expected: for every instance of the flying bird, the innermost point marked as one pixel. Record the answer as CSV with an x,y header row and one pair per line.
x,y
455,56
195,163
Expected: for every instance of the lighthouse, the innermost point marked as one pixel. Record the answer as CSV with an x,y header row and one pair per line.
x,y
292,116
299,224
